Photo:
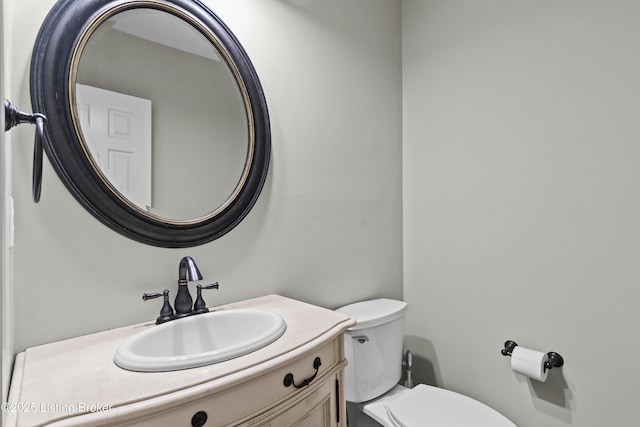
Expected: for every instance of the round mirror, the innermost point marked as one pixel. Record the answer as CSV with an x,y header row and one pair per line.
x,y
157,121
140,70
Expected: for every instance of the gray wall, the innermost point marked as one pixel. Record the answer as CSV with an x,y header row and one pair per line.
x,y
522,202
328,226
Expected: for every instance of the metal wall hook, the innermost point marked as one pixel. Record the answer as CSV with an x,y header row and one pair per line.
x,y
14,117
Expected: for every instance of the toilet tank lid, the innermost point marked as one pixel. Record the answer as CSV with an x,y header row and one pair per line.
x,y
372,313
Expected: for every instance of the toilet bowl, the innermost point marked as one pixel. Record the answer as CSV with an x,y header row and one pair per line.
x,y
373,348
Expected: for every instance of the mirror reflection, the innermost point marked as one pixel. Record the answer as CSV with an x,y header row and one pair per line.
x,y
161,114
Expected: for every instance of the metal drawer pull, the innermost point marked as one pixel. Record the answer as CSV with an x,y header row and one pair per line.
x,y
288,379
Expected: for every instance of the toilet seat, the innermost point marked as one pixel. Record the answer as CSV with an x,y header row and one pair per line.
x,y
425,406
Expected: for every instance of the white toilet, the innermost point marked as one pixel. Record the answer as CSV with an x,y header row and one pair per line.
x,y
373,348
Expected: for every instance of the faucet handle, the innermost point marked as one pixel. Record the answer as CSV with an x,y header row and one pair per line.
x,y
200,306
152,295
166,312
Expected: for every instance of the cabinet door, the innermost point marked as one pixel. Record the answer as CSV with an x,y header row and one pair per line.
x,y
317,409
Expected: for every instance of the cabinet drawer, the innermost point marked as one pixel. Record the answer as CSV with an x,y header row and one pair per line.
x,y
254,399
315,408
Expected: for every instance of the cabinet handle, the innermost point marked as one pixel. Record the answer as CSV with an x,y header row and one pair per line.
x,y
199,419
288,379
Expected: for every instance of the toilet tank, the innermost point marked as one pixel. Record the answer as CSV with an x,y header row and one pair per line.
x,y
373,348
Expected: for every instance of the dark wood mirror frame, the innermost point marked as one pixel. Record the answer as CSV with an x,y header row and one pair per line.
x,y
55,56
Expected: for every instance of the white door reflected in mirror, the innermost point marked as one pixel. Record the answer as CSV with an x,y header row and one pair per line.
x,y
117,129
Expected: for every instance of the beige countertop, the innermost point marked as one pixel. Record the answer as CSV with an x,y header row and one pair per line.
x,y
60,380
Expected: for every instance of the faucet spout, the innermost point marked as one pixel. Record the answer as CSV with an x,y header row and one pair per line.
x,y
188,270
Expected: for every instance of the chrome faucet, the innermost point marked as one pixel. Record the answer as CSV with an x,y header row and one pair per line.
x,y
187,272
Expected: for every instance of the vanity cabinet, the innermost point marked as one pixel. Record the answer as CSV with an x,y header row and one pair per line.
x,y
295,381
265,401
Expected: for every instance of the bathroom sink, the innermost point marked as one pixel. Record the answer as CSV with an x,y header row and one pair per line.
x,y
199,340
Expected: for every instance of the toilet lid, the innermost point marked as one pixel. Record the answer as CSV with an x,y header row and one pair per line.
x,y
432,406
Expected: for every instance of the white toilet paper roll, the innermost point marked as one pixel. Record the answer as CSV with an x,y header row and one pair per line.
x,y
529,363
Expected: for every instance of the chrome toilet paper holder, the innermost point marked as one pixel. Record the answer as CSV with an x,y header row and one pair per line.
x,y
555,360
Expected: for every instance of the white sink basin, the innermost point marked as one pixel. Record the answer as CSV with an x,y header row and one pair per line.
x,y
199,340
